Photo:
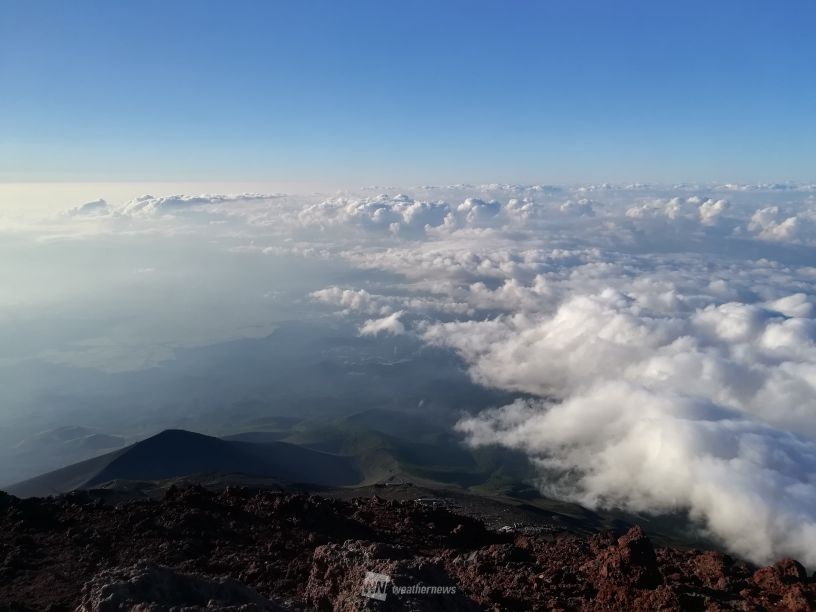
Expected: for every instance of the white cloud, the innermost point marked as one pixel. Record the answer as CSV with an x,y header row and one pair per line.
x,y
796,305
776,225
582,207
149,205
390,325
384,213
96,207
356,300
619,444
691,209
661,412
710,211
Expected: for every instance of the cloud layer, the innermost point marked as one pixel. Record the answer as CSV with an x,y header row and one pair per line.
x,y
665,336
674,373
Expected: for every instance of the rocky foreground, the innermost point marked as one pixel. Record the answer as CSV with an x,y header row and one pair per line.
x,y
243,550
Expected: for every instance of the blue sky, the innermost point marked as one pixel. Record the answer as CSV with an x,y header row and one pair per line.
x,y
408,92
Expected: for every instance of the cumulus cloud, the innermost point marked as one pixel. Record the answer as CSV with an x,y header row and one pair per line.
x,y
656,413
150,205
582,207
361,301
405,216
390,325
619,444
356,300
710,210
773,224
96,207
384,213
690,209
707,410
478,212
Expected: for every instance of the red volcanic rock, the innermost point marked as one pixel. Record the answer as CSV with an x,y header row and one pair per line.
x,y
785,585
791,571
620,571
711,568
337,574
777,578
249,550
631,561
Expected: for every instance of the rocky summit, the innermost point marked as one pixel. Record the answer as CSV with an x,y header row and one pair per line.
x,y
242,549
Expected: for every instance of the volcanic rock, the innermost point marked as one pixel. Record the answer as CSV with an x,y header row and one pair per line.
x,y
150,587
242,549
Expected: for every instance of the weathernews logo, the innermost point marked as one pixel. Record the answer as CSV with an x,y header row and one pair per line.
x,y
376,586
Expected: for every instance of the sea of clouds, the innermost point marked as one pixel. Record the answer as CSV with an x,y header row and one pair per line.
x,y
664,337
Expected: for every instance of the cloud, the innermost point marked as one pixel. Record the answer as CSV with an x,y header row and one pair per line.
x,y
96,207
710,210
478,212
665,336
356,300
390,325
675,373
621,445
361,301
150,205
581,208
404,216
383,213
707,410
775,225
691,209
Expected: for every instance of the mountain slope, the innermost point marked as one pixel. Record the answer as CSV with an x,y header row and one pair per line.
x,y
174,453
413,446
64,479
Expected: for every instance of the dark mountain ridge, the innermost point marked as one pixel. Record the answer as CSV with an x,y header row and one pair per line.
x,y
175,453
